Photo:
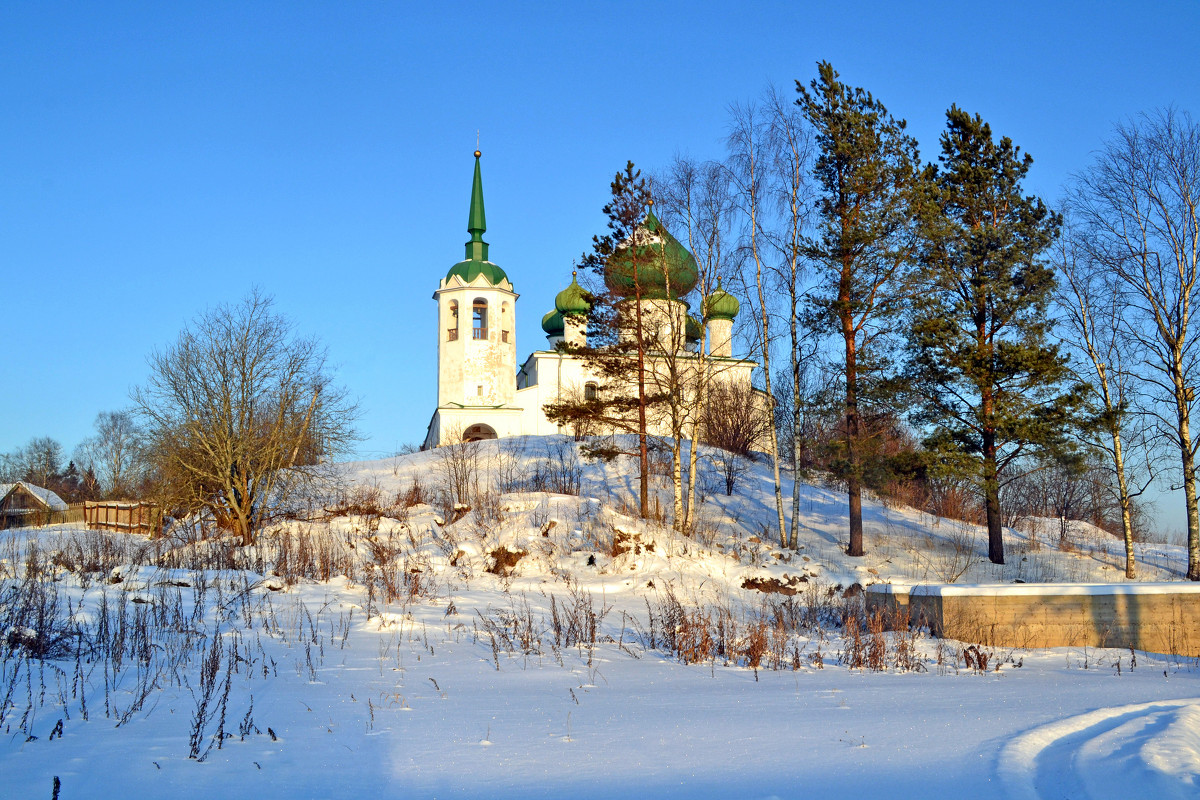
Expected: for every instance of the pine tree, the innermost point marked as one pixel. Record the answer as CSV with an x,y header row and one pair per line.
x,y
989,385
866,171
620,337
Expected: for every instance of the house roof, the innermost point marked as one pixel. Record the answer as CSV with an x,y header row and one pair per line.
x,y
48,498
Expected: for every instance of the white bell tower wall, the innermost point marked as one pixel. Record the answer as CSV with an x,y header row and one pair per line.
x,y
477,343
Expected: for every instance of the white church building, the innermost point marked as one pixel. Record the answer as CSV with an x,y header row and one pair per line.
x,y
482,393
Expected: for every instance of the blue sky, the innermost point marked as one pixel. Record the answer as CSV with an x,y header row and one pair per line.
x,y
159,158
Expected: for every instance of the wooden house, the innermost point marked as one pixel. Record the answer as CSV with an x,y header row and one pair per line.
x,y
23,503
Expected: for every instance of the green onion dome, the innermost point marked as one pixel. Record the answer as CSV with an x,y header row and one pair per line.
x,y
692,329
470,270
572,300
720,304
653,261
552,323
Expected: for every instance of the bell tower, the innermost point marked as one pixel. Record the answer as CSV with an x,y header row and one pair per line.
x,y
476,328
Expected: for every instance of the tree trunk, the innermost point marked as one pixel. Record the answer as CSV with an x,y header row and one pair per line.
x,y
677,475
991,499
643,451
795,537
1124,500
693,455
1189,494
795,362
1183,420
783,537
853,487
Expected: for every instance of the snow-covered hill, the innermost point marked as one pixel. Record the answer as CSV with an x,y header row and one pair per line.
x,y
492,621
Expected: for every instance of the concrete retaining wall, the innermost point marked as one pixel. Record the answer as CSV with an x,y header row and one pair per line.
x,y
1155,617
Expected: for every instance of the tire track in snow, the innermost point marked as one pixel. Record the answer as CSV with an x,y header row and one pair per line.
x,y
1140,750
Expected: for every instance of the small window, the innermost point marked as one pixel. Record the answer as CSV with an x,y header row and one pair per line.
x,y
504,336
589,391
452,331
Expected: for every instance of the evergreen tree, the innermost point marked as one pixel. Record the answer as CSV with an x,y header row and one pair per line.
x,y
989,385
866,170
620,335
69,484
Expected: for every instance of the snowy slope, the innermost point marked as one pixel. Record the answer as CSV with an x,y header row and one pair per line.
x,y
410,670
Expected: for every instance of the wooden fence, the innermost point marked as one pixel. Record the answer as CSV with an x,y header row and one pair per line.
x,y
128,516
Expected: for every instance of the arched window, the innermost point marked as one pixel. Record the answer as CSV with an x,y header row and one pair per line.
x,y
452,330
479,319
589,391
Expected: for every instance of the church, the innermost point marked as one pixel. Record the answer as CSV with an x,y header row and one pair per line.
x,y
482,392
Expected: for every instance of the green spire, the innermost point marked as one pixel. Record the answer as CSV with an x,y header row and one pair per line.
x,y
476,262
477,248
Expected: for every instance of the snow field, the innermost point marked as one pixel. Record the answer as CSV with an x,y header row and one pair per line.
x,y
615,657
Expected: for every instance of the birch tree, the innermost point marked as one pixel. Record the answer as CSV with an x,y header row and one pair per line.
x,y
696,196
750,162
1093,311
1138,205
115,453
791,153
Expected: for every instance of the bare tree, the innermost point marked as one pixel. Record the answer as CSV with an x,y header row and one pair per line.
x,y
696,196
1137,207
458,473
750,163
240,412
39,462
1093,311
115,453
733,425
792,151
733,422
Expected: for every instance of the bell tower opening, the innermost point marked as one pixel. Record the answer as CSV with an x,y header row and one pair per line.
x,y
479,319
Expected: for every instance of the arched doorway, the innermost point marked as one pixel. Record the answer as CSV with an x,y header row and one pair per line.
x,y
478,433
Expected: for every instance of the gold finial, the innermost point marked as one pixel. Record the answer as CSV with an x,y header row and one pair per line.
x,y
478,154
650,202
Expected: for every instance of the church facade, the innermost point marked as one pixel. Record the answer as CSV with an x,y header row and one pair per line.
x,y
482,393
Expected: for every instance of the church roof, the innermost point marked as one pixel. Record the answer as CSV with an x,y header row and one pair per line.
x,y
552,323
573,299
651,263
720,304
470,270
476,262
